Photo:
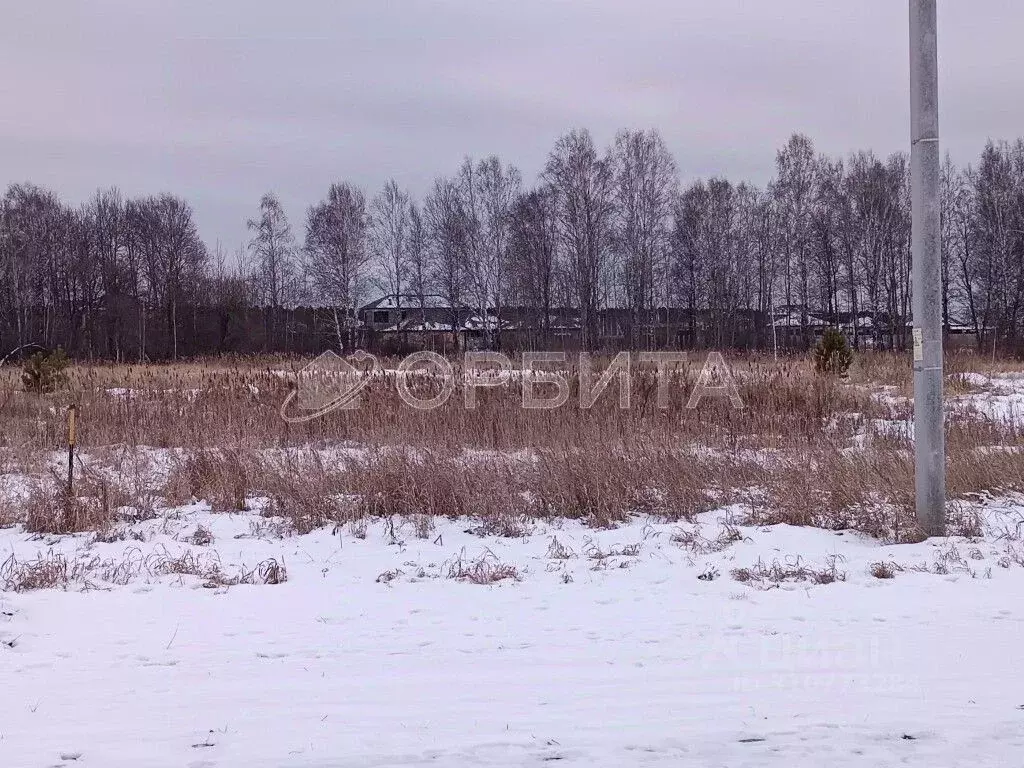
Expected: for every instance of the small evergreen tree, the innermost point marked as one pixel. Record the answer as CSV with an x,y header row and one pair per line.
x,y
833,353
44,372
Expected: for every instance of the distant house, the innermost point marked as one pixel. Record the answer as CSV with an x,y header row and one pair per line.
x,y
871,329
409,322
388,313
393,325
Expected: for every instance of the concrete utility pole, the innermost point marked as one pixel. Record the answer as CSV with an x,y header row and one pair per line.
x,y
929,435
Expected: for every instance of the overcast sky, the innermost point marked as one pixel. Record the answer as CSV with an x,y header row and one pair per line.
x,y
222,100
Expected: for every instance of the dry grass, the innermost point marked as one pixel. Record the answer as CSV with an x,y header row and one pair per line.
x,y
882,570
214,405
223,477
55,571
694,541
485,569
766,576
48,572
50,508
207,568
807,450
201,537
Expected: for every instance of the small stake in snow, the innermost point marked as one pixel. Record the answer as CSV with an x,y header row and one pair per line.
x,y
71,449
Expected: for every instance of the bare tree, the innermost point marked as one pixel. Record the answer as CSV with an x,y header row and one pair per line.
x,y
497,190
951,195
337,255
448,228
226,293
705,261
825,246
605,236
31,217
998,280
273,249
389,240
478,268
795,194
585,185
534,264
959,233
867,205
174,258
106,212
419,259
646,186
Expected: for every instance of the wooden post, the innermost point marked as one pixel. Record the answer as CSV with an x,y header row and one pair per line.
x,y
71,449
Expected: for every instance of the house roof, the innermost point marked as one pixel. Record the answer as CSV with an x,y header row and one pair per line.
x,y
408,301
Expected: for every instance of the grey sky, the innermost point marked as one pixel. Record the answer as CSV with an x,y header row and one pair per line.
x,y
222,100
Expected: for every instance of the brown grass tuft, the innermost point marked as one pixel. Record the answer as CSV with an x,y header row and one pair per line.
x,y
486,569
766,576
50,509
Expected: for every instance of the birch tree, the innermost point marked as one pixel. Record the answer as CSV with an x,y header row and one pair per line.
x,y
584,182
645,188
273,250
336,255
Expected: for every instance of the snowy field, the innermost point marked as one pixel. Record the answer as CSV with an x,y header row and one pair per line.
x,y
634,646
221,640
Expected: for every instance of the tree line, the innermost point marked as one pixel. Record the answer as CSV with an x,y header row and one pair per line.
x,y
131,278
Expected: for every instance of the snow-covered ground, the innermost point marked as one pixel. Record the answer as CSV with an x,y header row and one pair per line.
x,y
436,644
644,645
1001,398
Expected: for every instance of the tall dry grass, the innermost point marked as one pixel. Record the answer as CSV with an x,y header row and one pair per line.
x,y
807,449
